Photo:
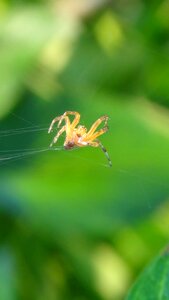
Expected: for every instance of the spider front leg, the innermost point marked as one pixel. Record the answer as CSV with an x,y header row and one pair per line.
x,y
96,124
58,135
96,134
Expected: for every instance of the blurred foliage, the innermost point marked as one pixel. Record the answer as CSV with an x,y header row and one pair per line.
x,y
153,281
72,228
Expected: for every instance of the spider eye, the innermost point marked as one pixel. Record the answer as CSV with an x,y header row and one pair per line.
x,y
81,127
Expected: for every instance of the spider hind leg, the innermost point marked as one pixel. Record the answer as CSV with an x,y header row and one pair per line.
x,y
99,144
106,153
52,124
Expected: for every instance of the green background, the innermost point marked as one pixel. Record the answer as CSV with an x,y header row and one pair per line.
x,y
70,226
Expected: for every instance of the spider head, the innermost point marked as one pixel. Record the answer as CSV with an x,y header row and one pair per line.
x,y
81,130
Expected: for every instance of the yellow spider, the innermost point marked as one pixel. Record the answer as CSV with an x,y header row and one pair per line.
x,y
79,136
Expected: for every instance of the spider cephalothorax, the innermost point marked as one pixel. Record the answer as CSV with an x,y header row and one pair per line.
x,y
79,136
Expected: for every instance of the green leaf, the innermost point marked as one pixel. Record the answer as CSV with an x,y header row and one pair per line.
x,y
7,274
22,43
153,284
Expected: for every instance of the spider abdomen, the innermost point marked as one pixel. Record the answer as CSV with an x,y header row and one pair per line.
x,y
69,145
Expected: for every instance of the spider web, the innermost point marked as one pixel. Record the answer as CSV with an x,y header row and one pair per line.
x,y
9,155
12,155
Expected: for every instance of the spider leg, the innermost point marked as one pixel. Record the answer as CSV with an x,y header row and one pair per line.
x,y
75,121
96,134
66,128
98,144
96,124
60,119
93,144
53,122
58,135
106,153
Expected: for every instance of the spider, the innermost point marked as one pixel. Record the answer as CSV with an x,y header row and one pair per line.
x,y
79,136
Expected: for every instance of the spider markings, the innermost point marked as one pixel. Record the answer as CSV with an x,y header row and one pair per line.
x,y
106,153
79,136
